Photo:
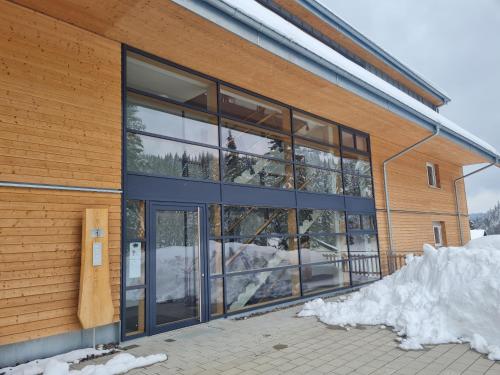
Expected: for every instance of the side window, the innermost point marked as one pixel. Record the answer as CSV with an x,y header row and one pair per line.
x,y
438,229
432,174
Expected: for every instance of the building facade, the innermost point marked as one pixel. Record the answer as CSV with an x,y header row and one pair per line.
x,y
240,168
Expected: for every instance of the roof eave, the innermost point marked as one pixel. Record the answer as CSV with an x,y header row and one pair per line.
x,y
326,15
219,12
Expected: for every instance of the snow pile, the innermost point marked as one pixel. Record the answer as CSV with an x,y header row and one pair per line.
x,y
446,295
476,233
119,364
38,365
59,364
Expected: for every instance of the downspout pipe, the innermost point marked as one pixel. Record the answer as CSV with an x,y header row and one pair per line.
x,y
457,207
386,190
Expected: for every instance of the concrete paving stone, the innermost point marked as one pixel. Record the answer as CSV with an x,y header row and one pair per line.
x,y
383,371
493,371
473,372
246,347
449,371
364,370
344,370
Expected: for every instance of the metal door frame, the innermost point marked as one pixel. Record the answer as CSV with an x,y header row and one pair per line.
x,y
153,207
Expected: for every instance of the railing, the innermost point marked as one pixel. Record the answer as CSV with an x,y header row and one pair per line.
x,y
396,261
365,265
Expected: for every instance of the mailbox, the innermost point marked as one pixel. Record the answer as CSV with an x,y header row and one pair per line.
x,y
95,304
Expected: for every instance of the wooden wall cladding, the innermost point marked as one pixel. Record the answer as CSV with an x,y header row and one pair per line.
x,y
407,177
411,230
40,259
414,204
170,31
60,123
60,102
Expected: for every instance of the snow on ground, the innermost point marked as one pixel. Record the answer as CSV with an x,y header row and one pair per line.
x,y
59,364
446,295
38,365
119,364
476,233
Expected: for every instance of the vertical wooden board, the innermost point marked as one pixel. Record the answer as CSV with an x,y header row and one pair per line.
x,y
95,305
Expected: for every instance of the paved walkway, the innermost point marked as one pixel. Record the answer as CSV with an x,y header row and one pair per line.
x,y
281,343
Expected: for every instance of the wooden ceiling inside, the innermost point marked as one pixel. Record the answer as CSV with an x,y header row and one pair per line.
x,y
168,30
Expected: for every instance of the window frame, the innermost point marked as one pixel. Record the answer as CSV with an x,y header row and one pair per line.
x,y
308,199
439,226
434,175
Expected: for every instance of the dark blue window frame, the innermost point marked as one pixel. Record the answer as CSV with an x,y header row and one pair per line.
x,y
204,192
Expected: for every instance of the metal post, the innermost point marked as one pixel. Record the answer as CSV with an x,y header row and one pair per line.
x,y
457,207
386,191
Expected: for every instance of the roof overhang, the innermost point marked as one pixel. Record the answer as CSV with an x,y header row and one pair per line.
x,y
339,24
237,22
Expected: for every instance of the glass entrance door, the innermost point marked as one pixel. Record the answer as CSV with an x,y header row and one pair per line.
x,y
176,267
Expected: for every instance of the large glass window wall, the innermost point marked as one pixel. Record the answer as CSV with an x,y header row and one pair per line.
x,y
187,127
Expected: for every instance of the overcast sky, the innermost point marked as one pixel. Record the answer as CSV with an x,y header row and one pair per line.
x,y
456,45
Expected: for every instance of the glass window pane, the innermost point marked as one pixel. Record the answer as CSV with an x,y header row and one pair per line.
x,y
249,108
315,249
364,269
261,252
368,222
134,212
318,180
356,164
322,277
313,128
134,312
358,186
157,156
153,77
316,154
241,137
177,251
259,288
215,250
321,221
245,221
361,143
347,139
135,257
216,297
430,176
154,116
252,170
214,220
353,222
363,244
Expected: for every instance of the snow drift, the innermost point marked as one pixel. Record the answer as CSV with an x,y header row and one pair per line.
x,y
60,364
38,366
446,295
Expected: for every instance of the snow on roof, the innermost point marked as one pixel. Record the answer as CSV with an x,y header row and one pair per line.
x,y
271,20
377,47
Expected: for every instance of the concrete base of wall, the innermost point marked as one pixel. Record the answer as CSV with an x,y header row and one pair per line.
x,y
26,351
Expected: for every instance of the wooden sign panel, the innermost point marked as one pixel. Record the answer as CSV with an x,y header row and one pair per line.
x,y
95,306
